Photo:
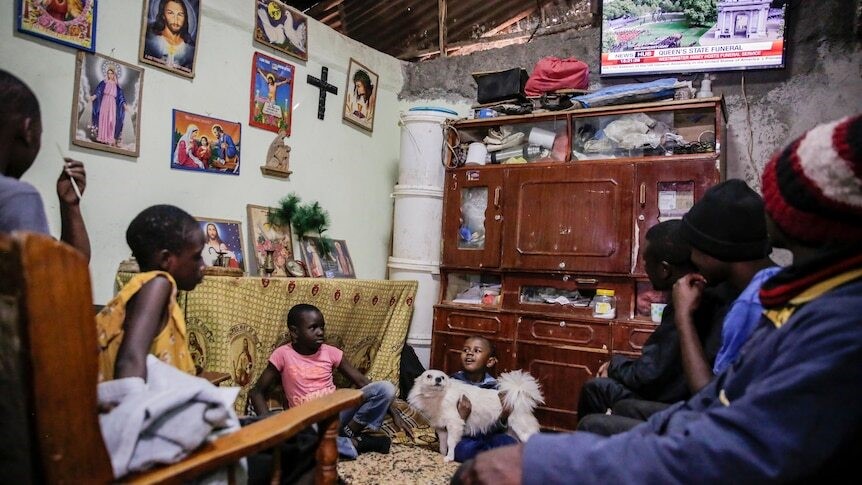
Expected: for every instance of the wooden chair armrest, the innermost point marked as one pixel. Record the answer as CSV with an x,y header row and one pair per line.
x,y
215,378
259,436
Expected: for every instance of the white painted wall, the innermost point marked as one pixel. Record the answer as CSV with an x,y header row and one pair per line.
x,y
350,172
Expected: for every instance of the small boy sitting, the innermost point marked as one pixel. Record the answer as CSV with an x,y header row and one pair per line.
x,y
305,367
478,356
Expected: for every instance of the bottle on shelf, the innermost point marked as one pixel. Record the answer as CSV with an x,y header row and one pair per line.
x,y
605,304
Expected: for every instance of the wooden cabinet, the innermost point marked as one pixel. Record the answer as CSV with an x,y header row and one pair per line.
x,y
527,245
572,218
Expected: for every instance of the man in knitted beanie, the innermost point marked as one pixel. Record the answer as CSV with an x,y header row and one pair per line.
x,y
727,233
787,410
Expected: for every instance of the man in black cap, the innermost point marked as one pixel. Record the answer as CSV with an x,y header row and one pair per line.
x,y
726,230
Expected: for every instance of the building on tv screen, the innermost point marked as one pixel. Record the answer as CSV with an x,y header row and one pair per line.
x,y
674,36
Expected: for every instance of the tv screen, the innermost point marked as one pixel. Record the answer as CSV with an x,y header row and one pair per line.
x,y
683,36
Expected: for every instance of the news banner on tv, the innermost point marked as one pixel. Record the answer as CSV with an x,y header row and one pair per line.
x,y
760,55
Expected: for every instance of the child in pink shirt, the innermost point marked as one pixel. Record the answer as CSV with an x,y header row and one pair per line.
x,y
305,369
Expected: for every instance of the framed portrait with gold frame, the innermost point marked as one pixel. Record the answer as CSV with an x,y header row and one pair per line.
x,y
360,96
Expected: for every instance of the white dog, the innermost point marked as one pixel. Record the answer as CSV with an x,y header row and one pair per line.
x,y
436,396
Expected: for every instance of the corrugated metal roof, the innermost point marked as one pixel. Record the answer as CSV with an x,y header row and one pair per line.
x,y
408,29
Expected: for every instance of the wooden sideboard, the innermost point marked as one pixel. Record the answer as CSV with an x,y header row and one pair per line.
x,y
516,236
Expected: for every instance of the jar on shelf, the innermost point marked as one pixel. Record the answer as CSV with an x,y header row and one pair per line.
x,y
605,304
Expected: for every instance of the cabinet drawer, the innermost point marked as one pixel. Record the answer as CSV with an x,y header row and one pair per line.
x,y
630,338
531,293
561,371
569,333
486,324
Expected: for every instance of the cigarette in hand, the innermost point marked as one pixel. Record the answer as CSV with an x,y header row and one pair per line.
x,y
72,179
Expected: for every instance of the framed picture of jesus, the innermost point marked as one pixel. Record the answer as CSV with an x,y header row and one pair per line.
x,y
271,94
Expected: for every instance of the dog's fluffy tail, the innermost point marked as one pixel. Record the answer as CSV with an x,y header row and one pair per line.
x,y
522,390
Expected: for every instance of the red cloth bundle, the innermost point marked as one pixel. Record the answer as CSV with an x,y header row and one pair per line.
x,y
553,73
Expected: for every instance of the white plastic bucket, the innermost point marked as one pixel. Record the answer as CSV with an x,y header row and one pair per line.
x,y
427,274
416,227
421,161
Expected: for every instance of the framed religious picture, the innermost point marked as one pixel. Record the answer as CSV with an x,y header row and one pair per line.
x,y
360,95
334,263
205,144
169,35
341,256
284,29
71,23
223,247
106,104
271,244
271,94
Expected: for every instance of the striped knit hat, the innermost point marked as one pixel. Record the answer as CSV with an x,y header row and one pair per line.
x,y
813,188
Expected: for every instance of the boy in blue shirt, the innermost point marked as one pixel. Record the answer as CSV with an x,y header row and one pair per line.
x,y
478,356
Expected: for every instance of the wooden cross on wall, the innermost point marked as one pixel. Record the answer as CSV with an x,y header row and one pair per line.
x,y
324,87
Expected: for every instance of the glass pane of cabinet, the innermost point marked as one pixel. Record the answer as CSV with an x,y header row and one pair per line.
x,y
644,134
471,230
486,142
473,289
472,218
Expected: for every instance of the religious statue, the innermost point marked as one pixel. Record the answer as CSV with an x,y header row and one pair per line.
x,y
277,157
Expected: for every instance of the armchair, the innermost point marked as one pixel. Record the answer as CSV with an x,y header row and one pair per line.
x,y
48,408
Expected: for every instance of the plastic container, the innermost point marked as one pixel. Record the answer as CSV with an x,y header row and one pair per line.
x,y
605,304
422,146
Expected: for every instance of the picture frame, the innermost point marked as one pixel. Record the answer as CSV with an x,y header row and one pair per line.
x,y
72,25
204,144
263,235
114,126
360,95
170,44
281,28
335,265
222,236
271,94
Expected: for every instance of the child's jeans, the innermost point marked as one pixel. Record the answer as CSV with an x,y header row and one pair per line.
x,y
376,399
470,446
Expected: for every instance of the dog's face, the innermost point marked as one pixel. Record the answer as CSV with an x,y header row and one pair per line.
x,y
432,381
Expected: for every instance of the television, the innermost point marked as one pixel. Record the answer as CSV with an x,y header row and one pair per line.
x,y
683,36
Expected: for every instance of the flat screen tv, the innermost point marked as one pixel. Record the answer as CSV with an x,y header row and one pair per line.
x,y
683,36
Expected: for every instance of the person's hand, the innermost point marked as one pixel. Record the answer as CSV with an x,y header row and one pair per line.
x,y
399,422
72,169
507,410
603,369
464,407
500,466
687,292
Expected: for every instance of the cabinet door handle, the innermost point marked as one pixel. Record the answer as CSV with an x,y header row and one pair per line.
x,y
497,197
643,195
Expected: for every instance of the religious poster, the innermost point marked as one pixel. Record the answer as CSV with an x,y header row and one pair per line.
x,y
205,144
282,28
268,241
271,94
169,35
335,263
67,22
223,245
106,104
360,95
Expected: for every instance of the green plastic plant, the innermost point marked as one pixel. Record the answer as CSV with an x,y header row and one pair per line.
x,y
305,219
